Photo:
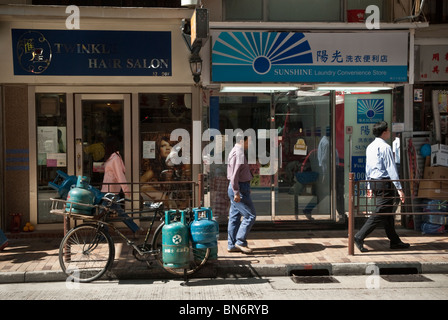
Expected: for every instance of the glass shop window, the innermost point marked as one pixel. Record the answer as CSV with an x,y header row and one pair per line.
x,y
160,115
51,134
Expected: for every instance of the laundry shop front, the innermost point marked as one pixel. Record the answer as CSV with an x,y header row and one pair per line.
x,y
124,75
316,93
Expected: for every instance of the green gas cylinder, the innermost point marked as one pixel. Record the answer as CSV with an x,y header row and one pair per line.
x,y
175,241
80,194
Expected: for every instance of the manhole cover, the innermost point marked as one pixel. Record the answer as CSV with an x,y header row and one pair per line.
x,y
314,279
405,278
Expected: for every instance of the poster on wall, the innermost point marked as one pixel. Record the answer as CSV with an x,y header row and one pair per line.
x,y
56,160
433,63
370,108
51,146
442,101
149,150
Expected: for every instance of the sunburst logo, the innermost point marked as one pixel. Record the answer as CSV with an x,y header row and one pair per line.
x,y
261,50
370,110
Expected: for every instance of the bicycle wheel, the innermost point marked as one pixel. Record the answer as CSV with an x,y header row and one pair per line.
x,y
86,253
198,257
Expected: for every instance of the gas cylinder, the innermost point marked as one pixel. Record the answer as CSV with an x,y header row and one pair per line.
x,y
204,229
175,241
80,194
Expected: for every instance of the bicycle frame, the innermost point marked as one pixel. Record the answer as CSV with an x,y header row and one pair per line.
x,y
157,208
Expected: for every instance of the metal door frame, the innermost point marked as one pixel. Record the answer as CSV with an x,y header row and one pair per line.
x,y
78,98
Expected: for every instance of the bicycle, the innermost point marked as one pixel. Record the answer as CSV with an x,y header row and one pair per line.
x,y
87,251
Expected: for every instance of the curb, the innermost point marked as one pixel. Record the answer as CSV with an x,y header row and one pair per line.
x,y
238,271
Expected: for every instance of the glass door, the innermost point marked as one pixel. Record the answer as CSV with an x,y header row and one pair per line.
x,y
102,123
52,150
304,177
300,188
245,112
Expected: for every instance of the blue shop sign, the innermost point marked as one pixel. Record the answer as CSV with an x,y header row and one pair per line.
x,y
370,110
254,56
91,53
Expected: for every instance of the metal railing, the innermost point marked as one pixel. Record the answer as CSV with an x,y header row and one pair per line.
x,y
422,197
174,194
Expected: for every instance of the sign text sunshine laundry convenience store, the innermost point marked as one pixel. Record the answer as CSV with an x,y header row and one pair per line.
x,y
247,56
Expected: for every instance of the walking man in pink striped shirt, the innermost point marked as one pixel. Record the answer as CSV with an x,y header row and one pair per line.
x,y
241,204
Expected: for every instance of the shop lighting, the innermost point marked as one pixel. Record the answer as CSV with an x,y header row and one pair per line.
x,y
257,89
196,67
350,89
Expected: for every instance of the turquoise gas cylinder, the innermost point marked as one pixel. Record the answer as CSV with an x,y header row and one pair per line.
x,y
175,241
80,194
204,230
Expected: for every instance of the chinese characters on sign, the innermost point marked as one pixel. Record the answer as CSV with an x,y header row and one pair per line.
x,y
433,63
364,138
338,57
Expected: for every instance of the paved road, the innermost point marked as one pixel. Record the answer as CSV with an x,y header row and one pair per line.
x,y
401,287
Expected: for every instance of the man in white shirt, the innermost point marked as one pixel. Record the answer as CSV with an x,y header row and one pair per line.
x,y
380,173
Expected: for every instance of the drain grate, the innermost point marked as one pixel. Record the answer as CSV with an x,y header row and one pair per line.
x,y
312,276
403,275
398,270
405,278
314,279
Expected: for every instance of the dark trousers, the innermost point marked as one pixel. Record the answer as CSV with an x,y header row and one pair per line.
x,y
386,202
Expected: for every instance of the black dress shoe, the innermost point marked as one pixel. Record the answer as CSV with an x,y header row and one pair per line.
x,y
360,245
400,245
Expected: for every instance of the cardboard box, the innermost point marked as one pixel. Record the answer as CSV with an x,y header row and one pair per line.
x,y
437,188
439,155
435,173
433,190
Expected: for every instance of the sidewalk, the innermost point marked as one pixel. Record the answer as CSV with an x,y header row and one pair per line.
x,y
34,257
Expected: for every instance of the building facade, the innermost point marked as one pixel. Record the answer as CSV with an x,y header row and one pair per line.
x,y
309,84
320,80
124,75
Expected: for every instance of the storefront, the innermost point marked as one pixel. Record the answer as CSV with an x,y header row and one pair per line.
x,y
68,94
309,93
318,94
431,89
